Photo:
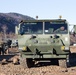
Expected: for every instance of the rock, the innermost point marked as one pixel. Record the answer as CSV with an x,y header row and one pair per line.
x,y
4,61
15,61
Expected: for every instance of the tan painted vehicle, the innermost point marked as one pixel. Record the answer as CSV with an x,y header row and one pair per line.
x,y
42,40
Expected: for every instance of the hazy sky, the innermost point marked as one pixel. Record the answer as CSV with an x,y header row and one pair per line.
x,y
45,9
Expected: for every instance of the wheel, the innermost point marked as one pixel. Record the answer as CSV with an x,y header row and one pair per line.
x,y
26,62
63,63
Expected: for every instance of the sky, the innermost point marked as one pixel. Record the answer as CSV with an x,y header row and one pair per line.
x,y
44,9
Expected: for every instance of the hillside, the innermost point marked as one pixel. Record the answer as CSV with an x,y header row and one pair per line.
x,y
11,20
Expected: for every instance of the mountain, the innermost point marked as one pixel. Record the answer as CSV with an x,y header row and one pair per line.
x,y
11,20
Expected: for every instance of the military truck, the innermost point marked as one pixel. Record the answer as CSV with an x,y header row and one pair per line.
x,y
42,40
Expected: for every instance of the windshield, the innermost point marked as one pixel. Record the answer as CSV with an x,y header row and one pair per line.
x,y
55,27
31,28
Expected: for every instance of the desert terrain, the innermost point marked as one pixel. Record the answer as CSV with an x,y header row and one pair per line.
x,y
49,69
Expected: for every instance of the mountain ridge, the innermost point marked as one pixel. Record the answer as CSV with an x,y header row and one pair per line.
x,y
11,20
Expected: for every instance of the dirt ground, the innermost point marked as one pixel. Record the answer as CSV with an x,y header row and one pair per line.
x,y
11,69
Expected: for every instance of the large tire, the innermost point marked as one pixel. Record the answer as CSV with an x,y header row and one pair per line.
x,y
54,61
63,63
26,63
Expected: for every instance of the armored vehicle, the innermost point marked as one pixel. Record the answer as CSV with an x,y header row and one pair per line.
x,y
42,40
